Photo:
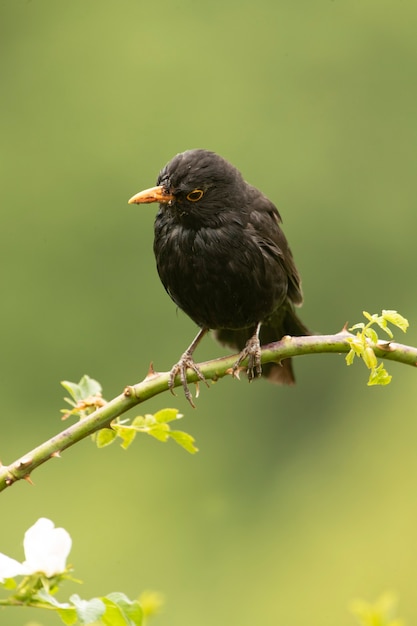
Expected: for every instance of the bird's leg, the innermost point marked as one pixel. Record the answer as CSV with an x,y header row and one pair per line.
x,y
252,350
187,362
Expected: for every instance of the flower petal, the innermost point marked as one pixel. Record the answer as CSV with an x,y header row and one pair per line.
x,y
46,548
9,568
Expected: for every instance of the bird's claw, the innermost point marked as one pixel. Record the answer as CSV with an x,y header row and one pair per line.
x,y
252,351
180,368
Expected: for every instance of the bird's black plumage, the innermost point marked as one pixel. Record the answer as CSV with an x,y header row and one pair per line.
x,y
222,256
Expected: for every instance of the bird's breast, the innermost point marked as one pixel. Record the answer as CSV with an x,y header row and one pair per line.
x,y
219,276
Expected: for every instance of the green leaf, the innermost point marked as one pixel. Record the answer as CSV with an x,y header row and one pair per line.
x,y
73,389
89,387
379,376
47,598
372,335
126,433
357,344
112,615
120,611
382,323
68,616
350,357
368,316
360,344
151,602
369,358
393,317
67,612
360,325
155,426
159,431
88,611
185,440
139,421
84,389
167,415
130,608
9,583
105,437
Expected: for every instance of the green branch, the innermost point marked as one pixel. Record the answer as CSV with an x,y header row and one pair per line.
x,y
156,383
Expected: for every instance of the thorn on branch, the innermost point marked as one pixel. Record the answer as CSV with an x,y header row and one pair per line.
x,y
151,372
24,462
385,345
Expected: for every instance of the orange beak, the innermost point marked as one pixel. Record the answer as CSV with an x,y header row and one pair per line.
x,y
154,194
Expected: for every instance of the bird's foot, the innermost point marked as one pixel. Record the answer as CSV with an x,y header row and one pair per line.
x,y
252,351
180,368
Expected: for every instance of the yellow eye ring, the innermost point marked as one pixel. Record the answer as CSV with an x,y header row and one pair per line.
x,y
195,195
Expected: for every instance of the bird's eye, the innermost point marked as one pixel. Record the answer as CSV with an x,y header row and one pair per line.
x,y
195,195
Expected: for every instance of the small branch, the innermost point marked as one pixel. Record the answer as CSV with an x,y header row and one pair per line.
x,y
156,383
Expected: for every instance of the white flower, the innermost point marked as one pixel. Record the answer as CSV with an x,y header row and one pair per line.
x,y
46,551
9,568
46,548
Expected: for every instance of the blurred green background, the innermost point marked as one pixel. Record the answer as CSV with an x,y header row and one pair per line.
x,y
300,499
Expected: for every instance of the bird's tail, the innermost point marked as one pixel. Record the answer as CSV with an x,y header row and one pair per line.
x,y
282,322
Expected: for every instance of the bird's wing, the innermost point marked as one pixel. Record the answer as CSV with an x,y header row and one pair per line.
x,y
264,220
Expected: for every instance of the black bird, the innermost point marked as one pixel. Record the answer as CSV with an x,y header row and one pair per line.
x,y
224,260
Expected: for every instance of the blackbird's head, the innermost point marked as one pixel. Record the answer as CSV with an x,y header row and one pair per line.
x,y
196,183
